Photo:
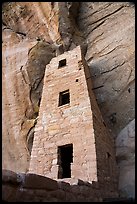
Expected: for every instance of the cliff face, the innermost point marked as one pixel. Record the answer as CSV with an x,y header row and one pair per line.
x,y
125,152
33,33
109,32
25,55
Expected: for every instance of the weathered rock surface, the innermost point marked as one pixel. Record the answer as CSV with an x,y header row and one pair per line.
x,y
15,100
109,30
33,33
36,188
24,61
125,152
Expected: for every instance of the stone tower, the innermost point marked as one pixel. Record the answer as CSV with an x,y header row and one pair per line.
x,y
71,139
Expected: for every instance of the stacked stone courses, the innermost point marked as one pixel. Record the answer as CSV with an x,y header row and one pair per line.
x,y
78,123
20,187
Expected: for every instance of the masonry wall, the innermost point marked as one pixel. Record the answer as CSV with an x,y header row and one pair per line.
x,y
107,170
68,124
79,123
19,187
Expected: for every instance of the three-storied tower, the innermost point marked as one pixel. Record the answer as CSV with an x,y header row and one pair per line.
x,y
71,139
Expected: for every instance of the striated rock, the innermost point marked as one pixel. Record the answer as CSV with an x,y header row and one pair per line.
x,y
36,20
125,152
24,61
109,30
15,100
38,57
68,28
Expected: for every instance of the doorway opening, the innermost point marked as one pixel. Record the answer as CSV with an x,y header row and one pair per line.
x,y
65,158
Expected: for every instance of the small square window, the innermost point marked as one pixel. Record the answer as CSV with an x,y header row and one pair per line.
x,y
62,63
64,98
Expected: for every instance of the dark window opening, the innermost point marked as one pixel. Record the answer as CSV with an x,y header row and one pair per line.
x,y
129,89
109,163
108,155
64,98
76,80
65,158
62,63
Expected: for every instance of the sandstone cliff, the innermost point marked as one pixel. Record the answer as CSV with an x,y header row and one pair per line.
x,y
110,34
33,33
125,152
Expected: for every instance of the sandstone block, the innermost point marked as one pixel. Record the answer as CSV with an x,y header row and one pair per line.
x,y
60,194
63,185
39,182
10,177
9,193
